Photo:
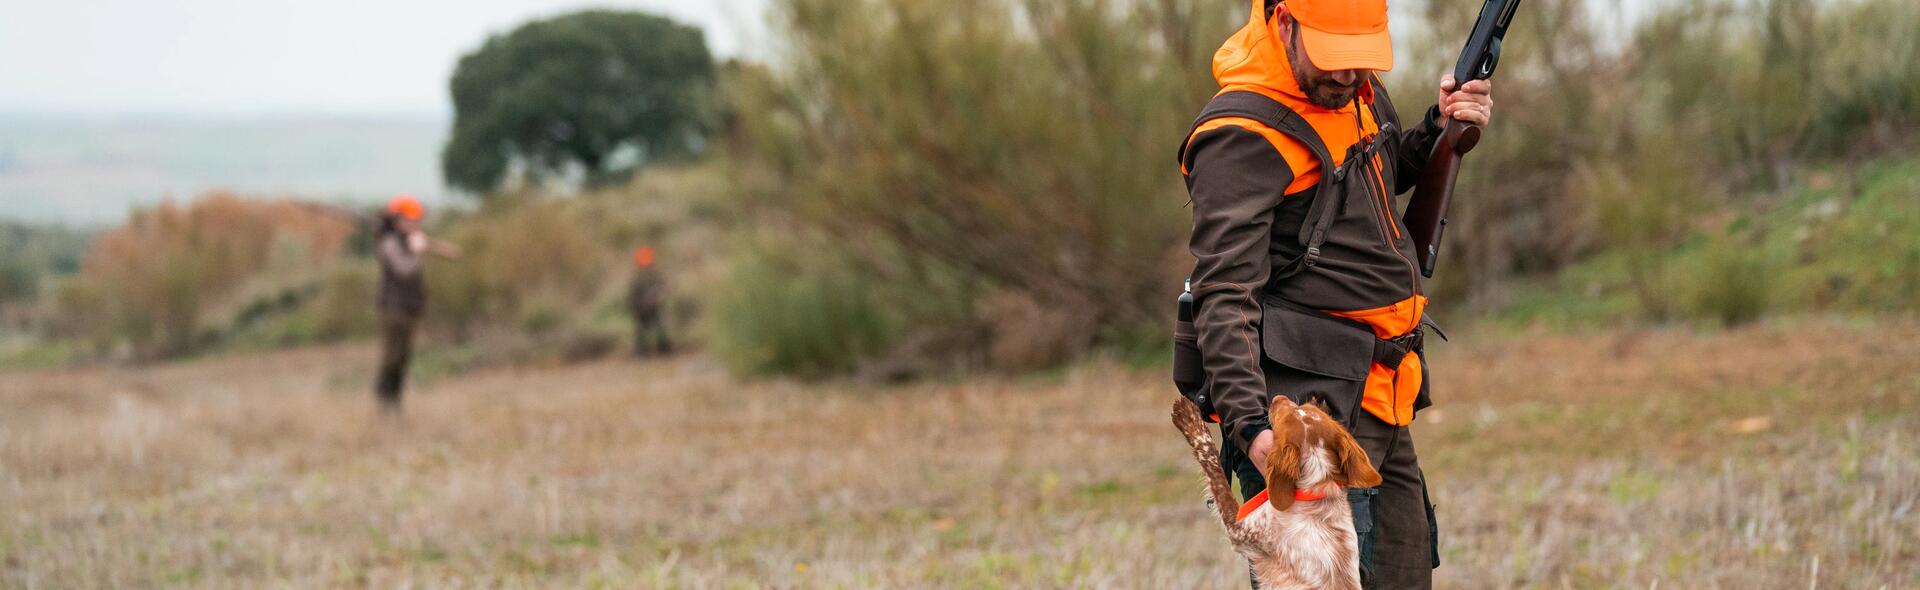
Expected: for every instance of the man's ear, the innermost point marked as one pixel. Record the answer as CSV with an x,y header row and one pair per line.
x,y
1356,471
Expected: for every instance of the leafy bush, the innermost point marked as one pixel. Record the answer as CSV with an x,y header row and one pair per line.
x,y
783,315
1849,242
1741,94
1023,147
152,283
516,252
1733,288
31,258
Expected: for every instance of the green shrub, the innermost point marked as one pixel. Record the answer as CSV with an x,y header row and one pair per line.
x,y
1733,286
1022,147
516,253
343,308
777,316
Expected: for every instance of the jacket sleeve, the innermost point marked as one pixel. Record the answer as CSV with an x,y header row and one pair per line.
x,y
1236,179
1416,143
396,258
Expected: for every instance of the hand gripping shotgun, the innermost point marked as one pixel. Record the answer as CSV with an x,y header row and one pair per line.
x,y
1426,215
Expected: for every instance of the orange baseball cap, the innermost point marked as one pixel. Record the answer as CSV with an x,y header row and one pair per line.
x,y
1344,34
406,206
643,256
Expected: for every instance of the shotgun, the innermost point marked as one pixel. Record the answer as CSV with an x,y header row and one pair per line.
x,y
1426,216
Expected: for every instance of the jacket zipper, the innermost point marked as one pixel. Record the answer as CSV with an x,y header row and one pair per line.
x,y
1383,206
1370,177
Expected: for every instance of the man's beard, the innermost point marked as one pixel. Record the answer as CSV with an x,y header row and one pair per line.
x,y
1324,92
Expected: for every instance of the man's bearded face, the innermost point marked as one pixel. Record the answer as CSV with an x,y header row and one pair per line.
x,y
1330,90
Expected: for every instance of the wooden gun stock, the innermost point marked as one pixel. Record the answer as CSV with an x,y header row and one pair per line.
x,y
1426,216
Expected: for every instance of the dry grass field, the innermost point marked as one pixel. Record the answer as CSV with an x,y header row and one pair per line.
x,y
1785,456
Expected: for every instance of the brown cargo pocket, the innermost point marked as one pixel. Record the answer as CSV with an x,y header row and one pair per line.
x,y
1312,356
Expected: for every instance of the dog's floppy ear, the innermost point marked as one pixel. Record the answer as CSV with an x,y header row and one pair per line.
x,y
1356,471
1283,472
1283,464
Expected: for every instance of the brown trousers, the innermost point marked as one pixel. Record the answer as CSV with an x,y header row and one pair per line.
x,y
1394,520
396,351
649,333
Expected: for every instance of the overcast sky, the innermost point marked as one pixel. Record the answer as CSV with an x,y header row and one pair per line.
x,y
267,57
276,57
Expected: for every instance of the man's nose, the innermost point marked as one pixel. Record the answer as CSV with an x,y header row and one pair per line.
x,y
1346,77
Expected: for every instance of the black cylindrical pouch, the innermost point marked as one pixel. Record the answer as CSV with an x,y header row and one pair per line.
x,y
1189,375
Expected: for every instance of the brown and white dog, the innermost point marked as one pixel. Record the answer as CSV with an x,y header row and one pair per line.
x,y
1299,534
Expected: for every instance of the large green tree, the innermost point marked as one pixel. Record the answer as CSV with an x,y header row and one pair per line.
x,y
599,92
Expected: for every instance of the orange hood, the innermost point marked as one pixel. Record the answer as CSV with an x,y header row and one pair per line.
x,y
1255,59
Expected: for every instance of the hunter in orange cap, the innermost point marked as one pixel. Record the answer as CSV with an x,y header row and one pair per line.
x,y
1344,34
406,206
401,250
646,301
1304,280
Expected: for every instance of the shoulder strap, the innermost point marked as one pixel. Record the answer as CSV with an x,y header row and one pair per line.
x,y
1269,112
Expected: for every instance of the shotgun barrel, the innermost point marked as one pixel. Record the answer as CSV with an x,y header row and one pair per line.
x,y
1426,216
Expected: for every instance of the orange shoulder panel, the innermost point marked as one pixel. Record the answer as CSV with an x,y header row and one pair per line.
x,y
1306,170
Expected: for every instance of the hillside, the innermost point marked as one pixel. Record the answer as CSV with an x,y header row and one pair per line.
x,y
91,171
1845,240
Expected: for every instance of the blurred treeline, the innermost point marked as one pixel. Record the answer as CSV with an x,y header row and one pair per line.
x,y
917,186
29,255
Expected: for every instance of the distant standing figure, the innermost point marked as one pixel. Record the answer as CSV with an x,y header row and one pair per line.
x,y
646,298
401,249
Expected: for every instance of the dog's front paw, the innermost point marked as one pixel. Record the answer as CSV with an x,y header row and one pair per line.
x,y
1186,417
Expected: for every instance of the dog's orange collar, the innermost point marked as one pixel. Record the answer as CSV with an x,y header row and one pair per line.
x,y
1261,498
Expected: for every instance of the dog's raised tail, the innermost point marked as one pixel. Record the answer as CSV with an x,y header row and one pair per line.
x,y
1186,417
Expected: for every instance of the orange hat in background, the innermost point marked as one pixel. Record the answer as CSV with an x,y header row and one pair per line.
x,y
1344,34
406,206
643,256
